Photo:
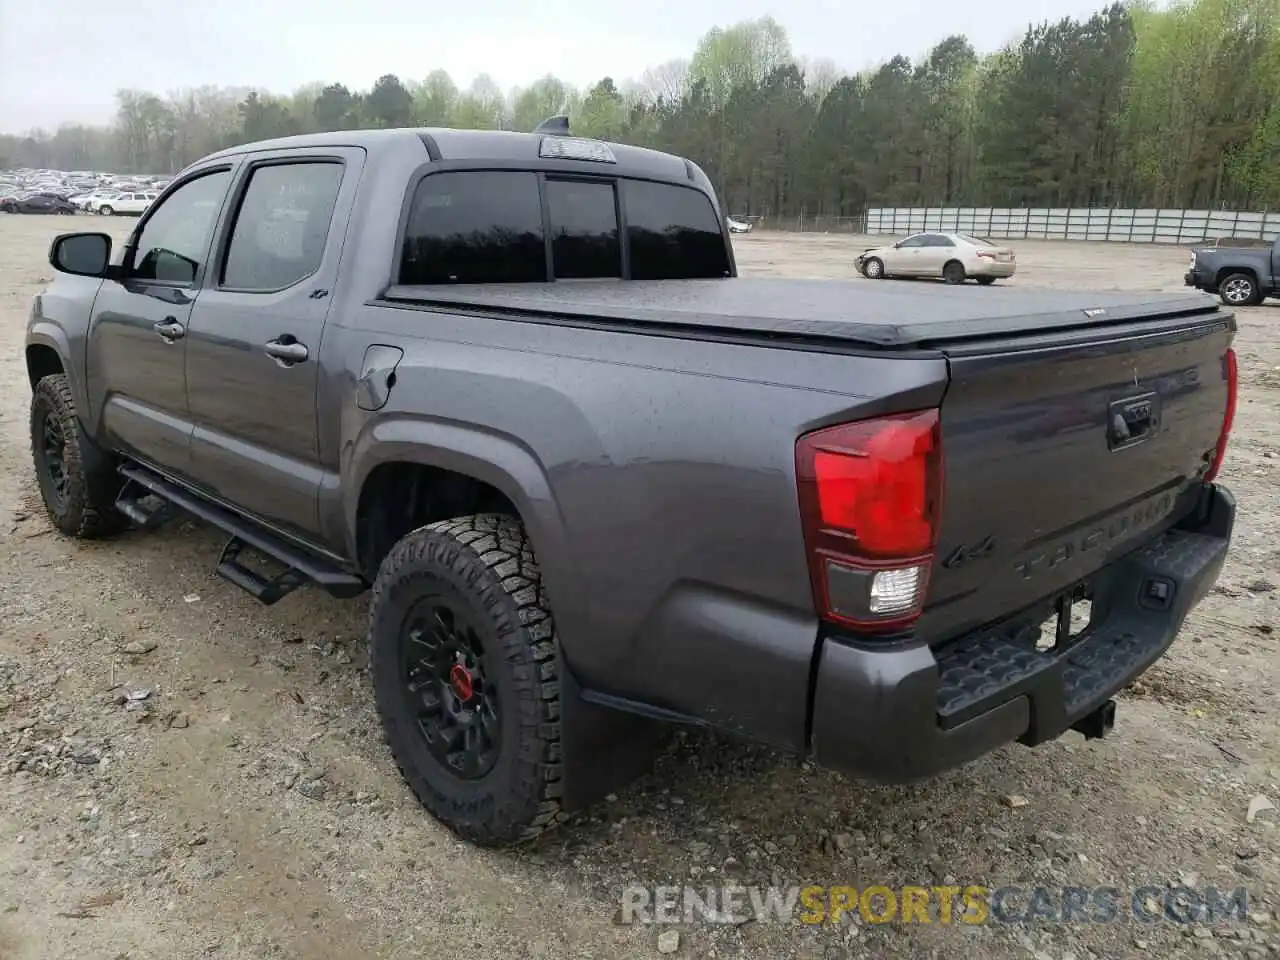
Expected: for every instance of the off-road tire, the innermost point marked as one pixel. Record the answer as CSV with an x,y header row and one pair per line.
x,y
953,272
487,562
1248,286
88,509
873,273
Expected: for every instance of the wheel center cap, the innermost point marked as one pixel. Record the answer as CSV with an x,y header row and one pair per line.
x,y
460,680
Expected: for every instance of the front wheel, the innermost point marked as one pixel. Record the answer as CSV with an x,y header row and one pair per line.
x,y
1239,290
78,482
105,210
953,272
873,269
463,653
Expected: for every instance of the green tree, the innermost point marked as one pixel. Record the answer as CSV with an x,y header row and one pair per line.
x,y
602,113
545,97
336,108
389,104
436,100
481,107
740,55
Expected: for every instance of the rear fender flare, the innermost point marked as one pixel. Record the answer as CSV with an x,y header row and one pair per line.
x,y
499,460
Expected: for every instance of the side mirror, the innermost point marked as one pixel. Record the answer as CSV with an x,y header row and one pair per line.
x,y
898,245
81,254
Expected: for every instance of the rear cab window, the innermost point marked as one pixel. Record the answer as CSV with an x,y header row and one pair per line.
x,y
475,227
479,226
584,229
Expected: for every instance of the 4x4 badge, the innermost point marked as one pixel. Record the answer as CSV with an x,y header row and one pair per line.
x,y
963,554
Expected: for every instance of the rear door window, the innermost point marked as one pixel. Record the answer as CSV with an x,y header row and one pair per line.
x,y
674,232
584,229
475,227
282,226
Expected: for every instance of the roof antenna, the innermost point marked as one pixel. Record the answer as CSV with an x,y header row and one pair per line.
x,y
554,126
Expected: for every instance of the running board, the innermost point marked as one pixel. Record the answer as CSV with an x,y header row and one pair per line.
x,y
300,564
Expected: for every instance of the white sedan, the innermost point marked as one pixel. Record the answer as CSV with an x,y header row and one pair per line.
x,y
738,226
955,257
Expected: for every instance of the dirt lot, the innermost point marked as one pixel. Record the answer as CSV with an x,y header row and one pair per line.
x,y
250,810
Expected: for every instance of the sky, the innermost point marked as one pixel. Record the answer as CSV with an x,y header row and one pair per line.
x,y
62,62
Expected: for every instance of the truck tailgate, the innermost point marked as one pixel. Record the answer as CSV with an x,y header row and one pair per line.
x,y
1061,455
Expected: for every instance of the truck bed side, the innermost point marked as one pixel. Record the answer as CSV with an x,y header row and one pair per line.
x,y
669,532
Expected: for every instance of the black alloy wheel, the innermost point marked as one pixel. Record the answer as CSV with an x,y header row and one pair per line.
x,y
51,456
446,686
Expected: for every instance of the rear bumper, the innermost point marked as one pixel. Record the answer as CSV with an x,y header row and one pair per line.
x,y
902,714
993,270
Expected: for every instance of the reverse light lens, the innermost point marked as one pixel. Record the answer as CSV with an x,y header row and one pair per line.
x,y
896,591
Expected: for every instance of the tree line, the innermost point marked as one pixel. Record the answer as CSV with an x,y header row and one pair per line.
x,y
1134,106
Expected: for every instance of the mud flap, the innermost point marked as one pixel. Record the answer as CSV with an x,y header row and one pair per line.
x,y
603,749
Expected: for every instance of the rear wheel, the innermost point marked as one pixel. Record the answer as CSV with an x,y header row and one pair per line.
x,y
985,281
463,657
874,268
1239,290
953,272
78,482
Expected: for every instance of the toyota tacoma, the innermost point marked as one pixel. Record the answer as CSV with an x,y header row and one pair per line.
x,y
596,484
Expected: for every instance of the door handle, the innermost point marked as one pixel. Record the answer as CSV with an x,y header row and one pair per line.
x,y
169,329
286,351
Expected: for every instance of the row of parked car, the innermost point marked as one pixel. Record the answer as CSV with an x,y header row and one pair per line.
x,y
103,202
61,192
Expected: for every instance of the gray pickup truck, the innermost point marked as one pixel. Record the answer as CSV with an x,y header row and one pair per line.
x,y
1241,276
598,484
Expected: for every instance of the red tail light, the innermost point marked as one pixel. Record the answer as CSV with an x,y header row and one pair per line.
x,y
1233,378
870,498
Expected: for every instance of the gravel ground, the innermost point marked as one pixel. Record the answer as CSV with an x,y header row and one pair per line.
x,y
184,773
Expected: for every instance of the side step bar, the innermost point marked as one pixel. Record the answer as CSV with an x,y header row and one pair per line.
x,y
300,564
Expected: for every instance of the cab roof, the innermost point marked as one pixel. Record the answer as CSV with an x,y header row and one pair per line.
x,y
446,144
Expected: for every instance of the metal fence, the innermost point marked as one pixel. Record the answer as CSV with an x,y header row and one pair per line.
x,y
1120,225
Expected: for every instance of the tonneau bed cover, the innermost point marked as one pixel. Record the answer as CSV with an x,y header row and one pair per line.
x,y
886,315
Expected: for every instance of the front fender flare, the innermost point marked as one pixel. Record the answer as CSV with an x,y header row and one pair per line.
x,y
43,333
